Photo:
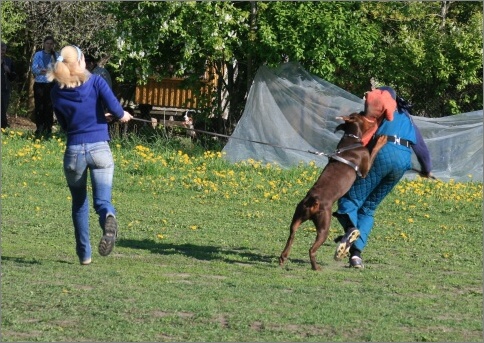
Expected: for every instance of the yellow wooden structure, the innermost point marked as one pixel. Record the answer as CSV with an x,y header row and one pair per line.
x,y
168,92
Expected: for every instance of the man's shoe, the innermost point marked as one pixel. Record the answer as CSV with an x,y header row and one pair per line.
x,y
356,262
343,248
106,244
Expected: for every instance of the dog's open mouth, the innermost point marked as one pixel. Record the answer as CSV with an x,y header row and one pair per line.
x,y
371,120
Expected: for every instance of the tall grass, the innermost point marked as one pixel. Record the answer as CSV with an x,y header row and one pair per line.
x,y
197,256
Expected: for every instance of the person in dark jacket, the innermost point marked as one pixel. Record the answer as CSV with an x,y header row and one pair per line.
x,y
357,207
79,99
8,75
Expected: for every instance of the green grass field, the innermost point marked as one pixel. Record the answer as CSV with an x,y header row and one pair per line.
x,y
197,255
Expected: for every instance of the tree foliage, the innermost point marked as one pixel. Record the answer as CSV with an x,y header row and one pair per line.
x,y
331,39
431,52
183,39
25,24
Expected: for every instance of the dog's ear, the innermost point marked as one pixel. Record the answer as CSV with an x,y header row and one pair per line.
x,y
340,127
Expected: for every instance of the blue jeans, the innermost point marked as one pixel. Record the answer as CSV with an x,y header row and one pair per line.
x,y
357,207
78,159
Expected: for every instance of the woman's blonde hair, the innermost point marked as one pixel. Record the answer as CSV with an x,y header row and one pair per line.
x,y
67,70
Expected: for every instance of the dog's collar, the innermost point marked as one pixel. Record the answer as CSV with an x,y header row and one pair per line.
x,y
352,136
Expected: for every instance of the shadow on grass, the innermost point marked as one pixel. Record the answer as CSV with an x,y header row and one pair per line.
x,y
22,260
201,252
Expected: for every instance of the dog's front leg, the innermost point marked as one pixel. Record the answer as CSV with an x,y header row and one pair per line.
x,y
381,141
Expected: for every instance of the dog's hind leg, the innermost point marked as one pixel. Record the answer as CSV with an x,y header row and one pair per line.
x,y
322,222
296,222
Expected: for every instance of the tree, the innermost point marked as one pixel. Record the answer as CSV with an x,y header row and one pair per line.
x,y
432,53
426,50
182,39
238,37
26,23
334,40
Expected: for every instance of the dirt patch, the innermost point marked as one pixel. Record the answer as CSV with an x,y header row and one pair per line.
x,y
20,123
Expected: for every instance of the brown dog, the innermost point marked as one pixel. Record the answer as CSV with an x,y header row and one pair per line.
x,y
350,158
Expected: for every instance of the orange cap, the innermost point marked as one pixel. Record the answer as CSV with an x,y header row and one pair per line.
x,y
379,103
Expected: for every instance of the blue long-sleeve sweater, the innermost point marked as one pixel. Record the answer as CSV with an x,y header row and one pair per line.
x,y
42,60
80,110
403,126
421,151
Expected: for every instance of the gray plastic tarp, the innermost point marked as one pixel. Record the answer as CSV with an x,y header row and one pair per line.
x,y
294,112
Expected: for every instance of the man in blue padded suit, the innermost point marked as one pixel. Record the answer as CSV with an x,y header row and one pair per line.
x,y
357,207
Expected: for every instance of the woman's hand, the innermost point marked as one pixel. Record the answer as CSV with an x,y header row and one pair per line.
x,y
126,118
428,175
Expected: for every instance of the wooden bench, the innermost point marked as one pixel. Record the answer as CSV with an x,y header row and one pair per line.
x,y
163,103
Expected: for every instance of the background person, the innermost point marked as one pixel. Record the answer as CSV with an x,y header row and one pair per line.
x,y
357,207
93,66
8,75
41,62
78,99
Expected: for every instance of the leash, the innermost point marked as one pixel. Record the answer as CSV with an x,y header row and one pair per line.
x,y
333,156
244,139
143,120
317,153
